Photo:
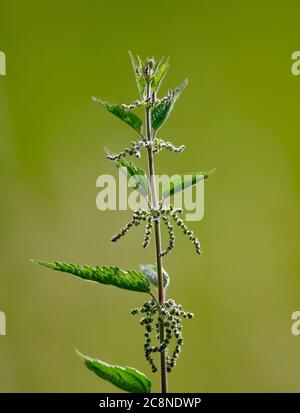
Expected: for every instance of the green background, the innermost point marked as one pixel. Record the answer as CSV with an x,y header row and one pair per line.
x,y
240,113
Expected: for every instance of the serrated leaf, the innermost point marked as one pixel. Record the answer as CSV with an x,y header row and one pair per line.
x,y
126,279
162,110
149,270
137,174
125,378
124,114
182,182
160,73
160,113
140,80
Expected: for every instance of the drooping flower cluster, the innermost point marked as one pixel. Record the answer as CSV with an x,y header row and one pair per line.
x,y
154,215
138,217
147,237
188,232
169,316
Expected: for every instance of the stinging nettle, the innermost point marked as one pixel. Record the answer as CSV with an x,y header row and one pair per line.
x,y
161,317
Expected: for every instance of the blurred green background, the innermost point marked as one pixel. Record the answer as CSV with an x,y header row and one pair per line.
x,y
239,113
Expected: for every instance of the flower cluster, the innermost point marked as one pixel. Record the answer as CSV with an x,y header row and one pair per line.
x,y
159,144
189,233
168,316
138,217
171,234
135,149
154,215
148,232
133,105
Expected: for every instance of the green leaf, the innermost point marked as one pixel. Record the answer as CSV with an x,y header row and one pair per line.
x,y
162,110
126,378
182,182
160,73
124,114
126,279
138,175
149,270
140,80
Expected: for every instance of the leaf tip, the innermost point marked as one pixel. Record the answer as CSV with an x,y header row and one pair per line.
x,y
79,354
185,83
44,263
40,262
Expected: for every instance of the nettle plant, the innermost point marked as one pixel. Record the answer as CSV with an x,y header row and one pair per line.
x,y
160,317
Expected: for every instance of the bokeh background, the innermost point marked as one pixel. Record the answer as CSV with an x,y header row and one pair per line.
x,y
240,113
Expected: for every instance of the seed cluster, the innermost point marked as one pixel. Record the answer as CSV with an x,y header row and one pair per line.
x,y
154,215
168,316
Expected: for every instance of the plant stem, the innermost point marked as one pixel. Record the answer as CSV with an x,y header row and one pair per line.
x,y
161,292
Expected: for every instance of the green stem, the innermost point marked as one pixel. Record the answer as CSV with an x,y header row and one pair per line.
x,y
161,291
